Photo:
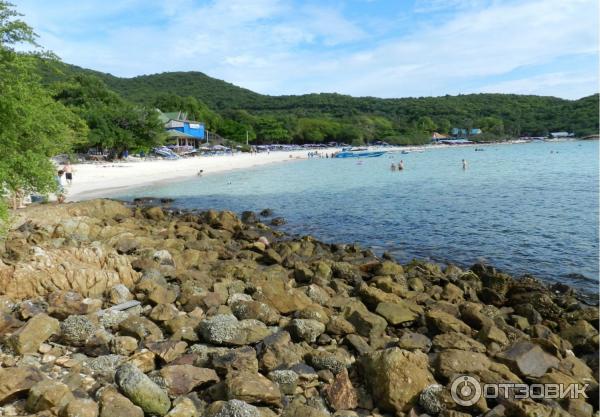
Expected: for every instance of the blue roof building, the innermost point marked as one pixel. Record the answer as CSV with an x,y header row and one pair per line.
x,y
185,132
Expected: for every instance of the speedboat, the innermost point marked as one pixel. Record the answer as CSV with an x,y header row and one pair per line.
x,y
358,153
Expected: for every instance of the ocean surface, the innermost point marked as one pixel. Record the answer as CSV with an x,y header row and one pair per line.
x,y
524,208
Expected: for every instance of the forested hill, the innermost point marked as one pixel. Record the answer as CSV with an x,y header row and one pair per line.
x,y
506,115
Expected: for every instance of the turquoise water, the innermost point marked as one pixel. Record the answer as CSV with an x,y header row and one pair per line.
x,y
525,208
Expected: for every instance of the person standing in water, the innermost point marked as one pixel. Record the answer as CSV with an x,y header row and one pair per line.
x,y
464,163
393,167
401,165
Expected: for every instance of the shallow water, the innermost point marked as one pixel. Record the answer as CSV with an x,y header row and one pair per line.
x,y
526,208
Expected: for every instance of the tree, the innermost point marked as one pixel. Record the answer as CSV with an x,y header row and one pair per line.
x,y
491,125
113,122
34,126
269,130
234,130
425,124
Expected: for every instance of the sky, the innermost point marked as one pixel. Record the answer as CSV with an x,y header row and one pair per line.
x,y
382,48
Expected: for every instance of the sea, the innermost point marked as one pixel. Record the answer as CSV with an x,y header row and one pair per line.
x,y
524,208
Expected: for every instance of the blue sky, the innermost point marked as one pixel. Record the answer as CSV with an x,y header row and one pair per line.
x,y
383,48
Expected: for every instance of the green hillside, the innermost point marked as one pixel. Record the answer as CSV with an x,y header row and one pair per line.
x,y
336,116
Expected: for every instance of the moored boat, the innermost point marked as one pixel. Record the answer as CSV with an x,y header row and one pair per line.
x,y
358,153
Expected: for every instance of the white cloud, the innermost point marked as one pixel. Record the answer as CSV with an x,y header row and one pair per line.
x,y
280,47
570,84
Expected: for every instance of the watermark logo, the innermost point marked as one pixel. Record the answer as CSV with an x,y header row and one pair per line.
x,y
466,391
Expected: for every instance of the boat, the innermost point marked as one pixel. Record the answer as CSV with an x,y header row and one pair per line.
x,y
358,153
165,153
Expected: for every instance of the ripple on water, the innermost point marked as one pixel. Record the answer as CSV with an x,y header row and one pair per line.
x,y
511,207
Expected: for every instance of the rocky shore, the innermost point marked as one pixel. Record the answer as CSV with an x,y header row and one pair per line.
x,y
117,311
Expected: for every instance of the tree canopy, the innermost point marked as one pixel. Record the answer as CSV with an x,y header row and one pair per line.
x,y
231,111
34,126
114,123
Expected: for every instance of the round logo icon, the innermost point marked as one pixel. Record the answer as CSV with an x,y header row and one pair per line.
x,y
465,390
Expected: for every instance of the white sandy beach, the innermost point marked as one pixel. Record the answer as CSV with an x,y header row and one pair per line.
x,y
93,180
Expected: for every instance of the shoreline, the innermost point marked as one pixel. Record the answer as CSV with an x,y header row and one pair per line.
x,y
96,180
236,304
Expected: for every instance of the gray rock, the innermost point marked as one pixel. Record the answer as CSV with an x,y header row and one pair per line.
x,y
306,329
75,330
226,329
236,408
528,359
286,379
430,399
141,390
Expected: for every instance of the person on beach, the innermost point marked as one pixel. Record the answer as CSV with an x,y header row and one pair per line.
x,y
200,172
393,167
401,165
60,192
68,170
464,164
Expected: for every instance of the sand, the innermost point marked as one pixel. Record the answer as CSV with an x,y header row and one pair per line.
x,y
95,180
92,180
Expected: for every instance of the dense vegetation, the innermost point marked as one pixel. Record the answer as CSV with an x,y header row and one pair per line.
x,y
233,111
48,107
33,126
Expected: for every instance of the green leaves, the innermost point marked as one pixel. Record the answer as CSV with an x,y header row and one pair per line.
x,y
33,126
114,123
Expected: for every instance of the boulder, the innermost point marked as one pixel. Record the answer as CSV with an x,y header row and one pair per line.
x,y
226,329
232,408
182,379
80,407
184,407
396,378
46,395
454,340
286,380
528,359
253,389
414,341
242,359
87,270
62,304
37,330
76,330
443,322
367,324
167,350
340,394
140,328
15,381
141,390
113,404
306,330
396,313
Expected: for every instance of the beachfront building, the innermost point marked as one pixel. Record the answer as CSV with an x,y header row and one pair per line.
x,y
183,132
463,133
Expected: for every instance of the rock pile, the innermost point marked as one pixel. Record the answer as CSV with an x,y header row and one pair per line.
x,y
115,311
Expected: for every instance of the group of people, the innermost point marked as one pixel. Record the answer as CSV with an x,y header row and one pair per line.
x,y
399,167
67,171
317,154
